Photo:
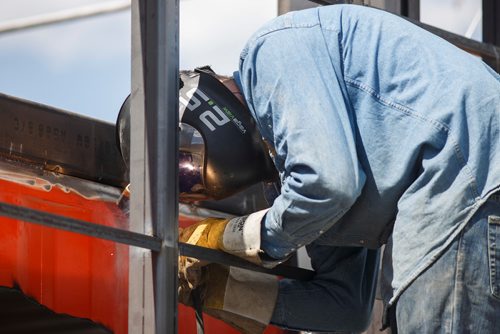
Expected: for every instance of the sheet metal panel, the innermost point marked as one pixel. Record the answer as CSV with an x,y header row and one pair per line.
x,y
67,272
60,141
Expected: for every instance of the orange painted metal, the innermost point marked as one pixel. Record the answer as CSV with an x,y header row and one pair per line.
x,y
187,324
67,272
71,273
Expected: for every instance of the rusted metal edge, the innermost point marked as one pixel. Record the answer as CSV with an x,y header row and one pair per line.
x,y
60,141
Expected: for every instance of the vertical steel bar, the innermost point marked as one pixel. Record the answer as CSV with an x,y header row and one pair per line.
x,y
140,272
393,6
408,8
491,28
412,9
285,6
161,81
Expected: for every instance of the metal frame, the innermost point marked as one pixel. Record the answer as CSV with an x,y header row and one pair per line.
x,y
82,227
56,140
160,33
140,240
491,29
491,22
408,8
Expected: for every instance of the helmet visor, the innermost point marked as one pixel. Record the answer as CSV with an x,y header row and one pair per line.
x,y
191,165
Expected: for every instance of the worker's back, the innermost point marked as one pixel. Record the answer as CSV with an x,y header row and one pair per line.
x,y
376,104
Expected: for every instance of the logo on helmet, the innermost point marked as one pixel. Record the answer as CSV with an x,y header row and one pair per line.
x,y
208,117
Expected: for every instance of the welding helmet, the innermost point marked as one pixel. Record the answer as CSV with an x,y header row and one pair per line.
x,y
220,149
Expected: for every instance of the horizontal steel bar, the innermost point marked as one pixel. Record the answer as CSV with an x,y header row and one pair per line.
x,y
141,240
478,48
81,227
212,255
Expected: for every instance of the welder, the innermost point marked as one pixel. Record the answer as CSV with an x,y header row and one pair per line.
x,y
380,133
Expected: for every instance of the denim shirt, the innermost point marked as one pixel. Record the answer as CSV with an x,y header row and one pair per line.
x,y
378,127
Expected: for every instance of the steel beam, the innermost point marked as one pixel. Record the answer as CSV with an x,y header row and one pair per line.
x,y
140,240
491,21
408,8
141,301
491,28
60,141
79,226
285,6
412,9
160,35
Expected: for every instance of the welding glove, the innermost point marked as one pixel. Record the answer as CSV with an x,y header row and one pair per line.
x,y
244,299
238,236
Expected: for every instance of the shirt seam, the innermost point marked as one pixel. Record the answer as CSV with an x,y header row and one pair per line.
x,y
473,209
395,105
251,43
472,186
270,31
288,23
339,33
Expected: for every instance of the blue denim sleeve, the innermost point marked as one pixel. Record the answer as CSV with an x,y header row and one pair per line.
x,y
296,96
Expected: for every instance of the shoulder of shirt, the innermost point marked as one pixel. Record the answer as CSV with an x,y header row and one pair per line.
x,y
296,19
299,19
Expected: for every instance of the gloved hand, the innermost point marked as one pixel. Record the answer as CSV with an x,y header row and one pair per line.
x,y
238,236
205,233
239,297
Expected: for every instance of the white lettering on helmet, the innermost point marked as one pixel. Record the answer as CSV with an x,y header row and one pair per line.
x,y
207,115
191,102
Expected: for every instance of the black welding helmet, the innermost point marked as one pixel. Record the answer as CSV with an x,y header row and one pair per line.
x,y
220,149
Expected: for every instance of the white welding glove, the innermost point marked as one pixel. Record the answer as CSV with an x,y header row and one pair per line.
x,y
239,236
